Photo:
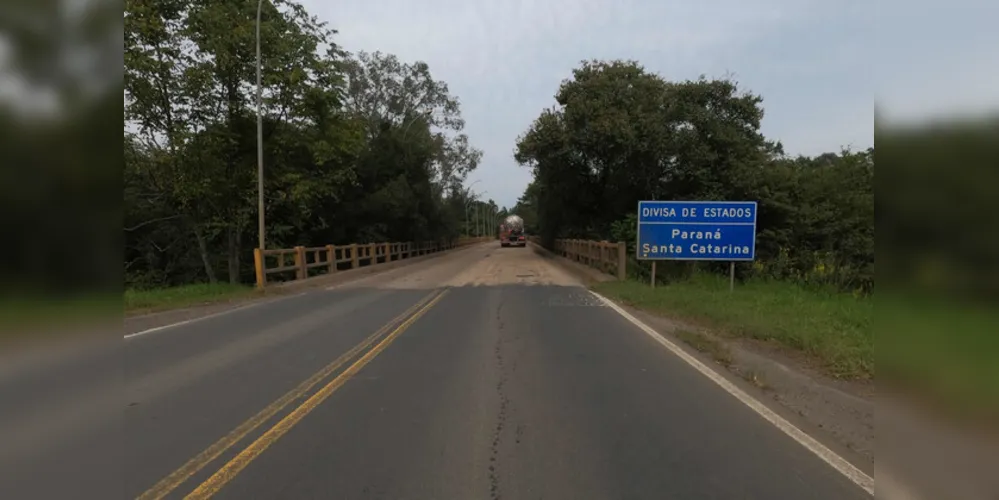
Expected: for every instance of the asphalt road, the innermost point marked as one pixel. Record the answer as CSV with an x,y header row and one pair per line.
x,y
487,373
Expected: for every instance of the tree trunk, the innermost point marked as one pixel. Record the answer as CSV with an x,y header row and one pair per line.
x,y
234,245
203,250
232,167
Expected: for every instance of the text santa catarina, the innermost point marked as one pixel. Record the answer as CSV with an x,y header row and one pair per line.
x,y
696,230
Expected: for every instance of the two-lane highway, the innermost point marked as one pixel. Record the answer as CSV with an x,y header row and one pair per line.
x,y
488,373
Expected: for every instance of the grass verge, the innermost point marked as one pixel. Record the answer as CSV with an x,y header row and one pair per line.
x,y
159,299
834,329
944,348
710,346
40,316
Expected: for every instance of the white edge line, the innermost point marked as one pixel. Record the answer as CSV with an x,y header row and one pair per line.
x,y
210,316
837,462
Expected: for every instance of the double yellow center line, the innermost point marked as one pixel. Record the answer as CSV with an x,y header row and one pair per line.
x,y
232,468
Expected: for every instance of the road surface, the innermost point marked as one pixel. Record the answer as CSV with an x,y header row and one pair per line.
x,y
487,373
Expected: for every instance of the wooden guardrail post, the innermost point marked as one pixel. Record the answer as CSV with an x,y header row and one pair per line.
x,y
610,251
388,253
301,272
354,258
622,260
331,259
258,266
606,262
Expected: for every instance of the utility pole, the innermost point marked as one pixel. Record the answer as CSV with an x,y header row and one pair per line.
x,y
260,141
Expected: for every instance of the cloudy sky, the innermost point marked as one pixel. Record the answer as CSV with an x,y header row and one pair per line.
x,y
813,61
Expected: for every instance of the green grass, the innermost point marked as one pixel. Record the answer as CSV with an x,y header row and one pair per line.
x,y
944,348
41,314
183,296
833,328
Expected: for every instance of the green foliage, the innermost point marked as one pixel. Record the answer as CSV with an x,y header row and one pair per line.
x,y
937,220
356,149
620,134
940,208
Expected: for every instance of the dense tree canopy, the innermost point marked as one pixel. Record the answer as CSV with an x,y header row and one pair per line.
x,y
357,148
619,134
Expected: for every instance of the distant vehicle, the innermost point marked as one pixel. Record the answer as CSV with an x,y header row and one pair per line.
x,y
512,232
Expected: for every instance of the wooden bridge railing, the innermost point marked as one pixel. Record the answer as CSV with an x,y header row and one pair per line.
x,y
332,258
605,256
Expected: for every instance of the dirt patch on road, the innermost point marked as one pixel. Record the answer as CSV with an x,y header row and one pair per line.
x,y
513,266
486,265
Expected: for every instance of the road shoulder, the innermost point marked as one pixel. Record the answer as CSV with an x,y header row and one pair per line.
x,y
839,414
918,452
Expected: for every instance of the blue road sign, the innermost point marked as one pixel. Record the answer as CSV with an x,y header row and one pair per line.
x,y
696,230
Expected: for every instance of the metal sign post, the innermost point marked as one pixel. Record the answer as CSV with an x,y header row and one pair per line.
x,y
697,230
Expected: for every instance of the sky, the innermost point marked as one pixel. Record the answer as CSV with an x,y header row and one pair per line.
x,y
813,61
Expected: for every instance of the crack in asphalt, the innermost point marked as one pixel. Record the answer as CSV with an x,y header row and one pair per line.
x,y
501,417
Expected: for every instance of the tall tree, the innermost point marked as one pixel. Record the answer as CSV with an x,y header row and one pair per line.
x,y
382,89
364,149
190,92
620,134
